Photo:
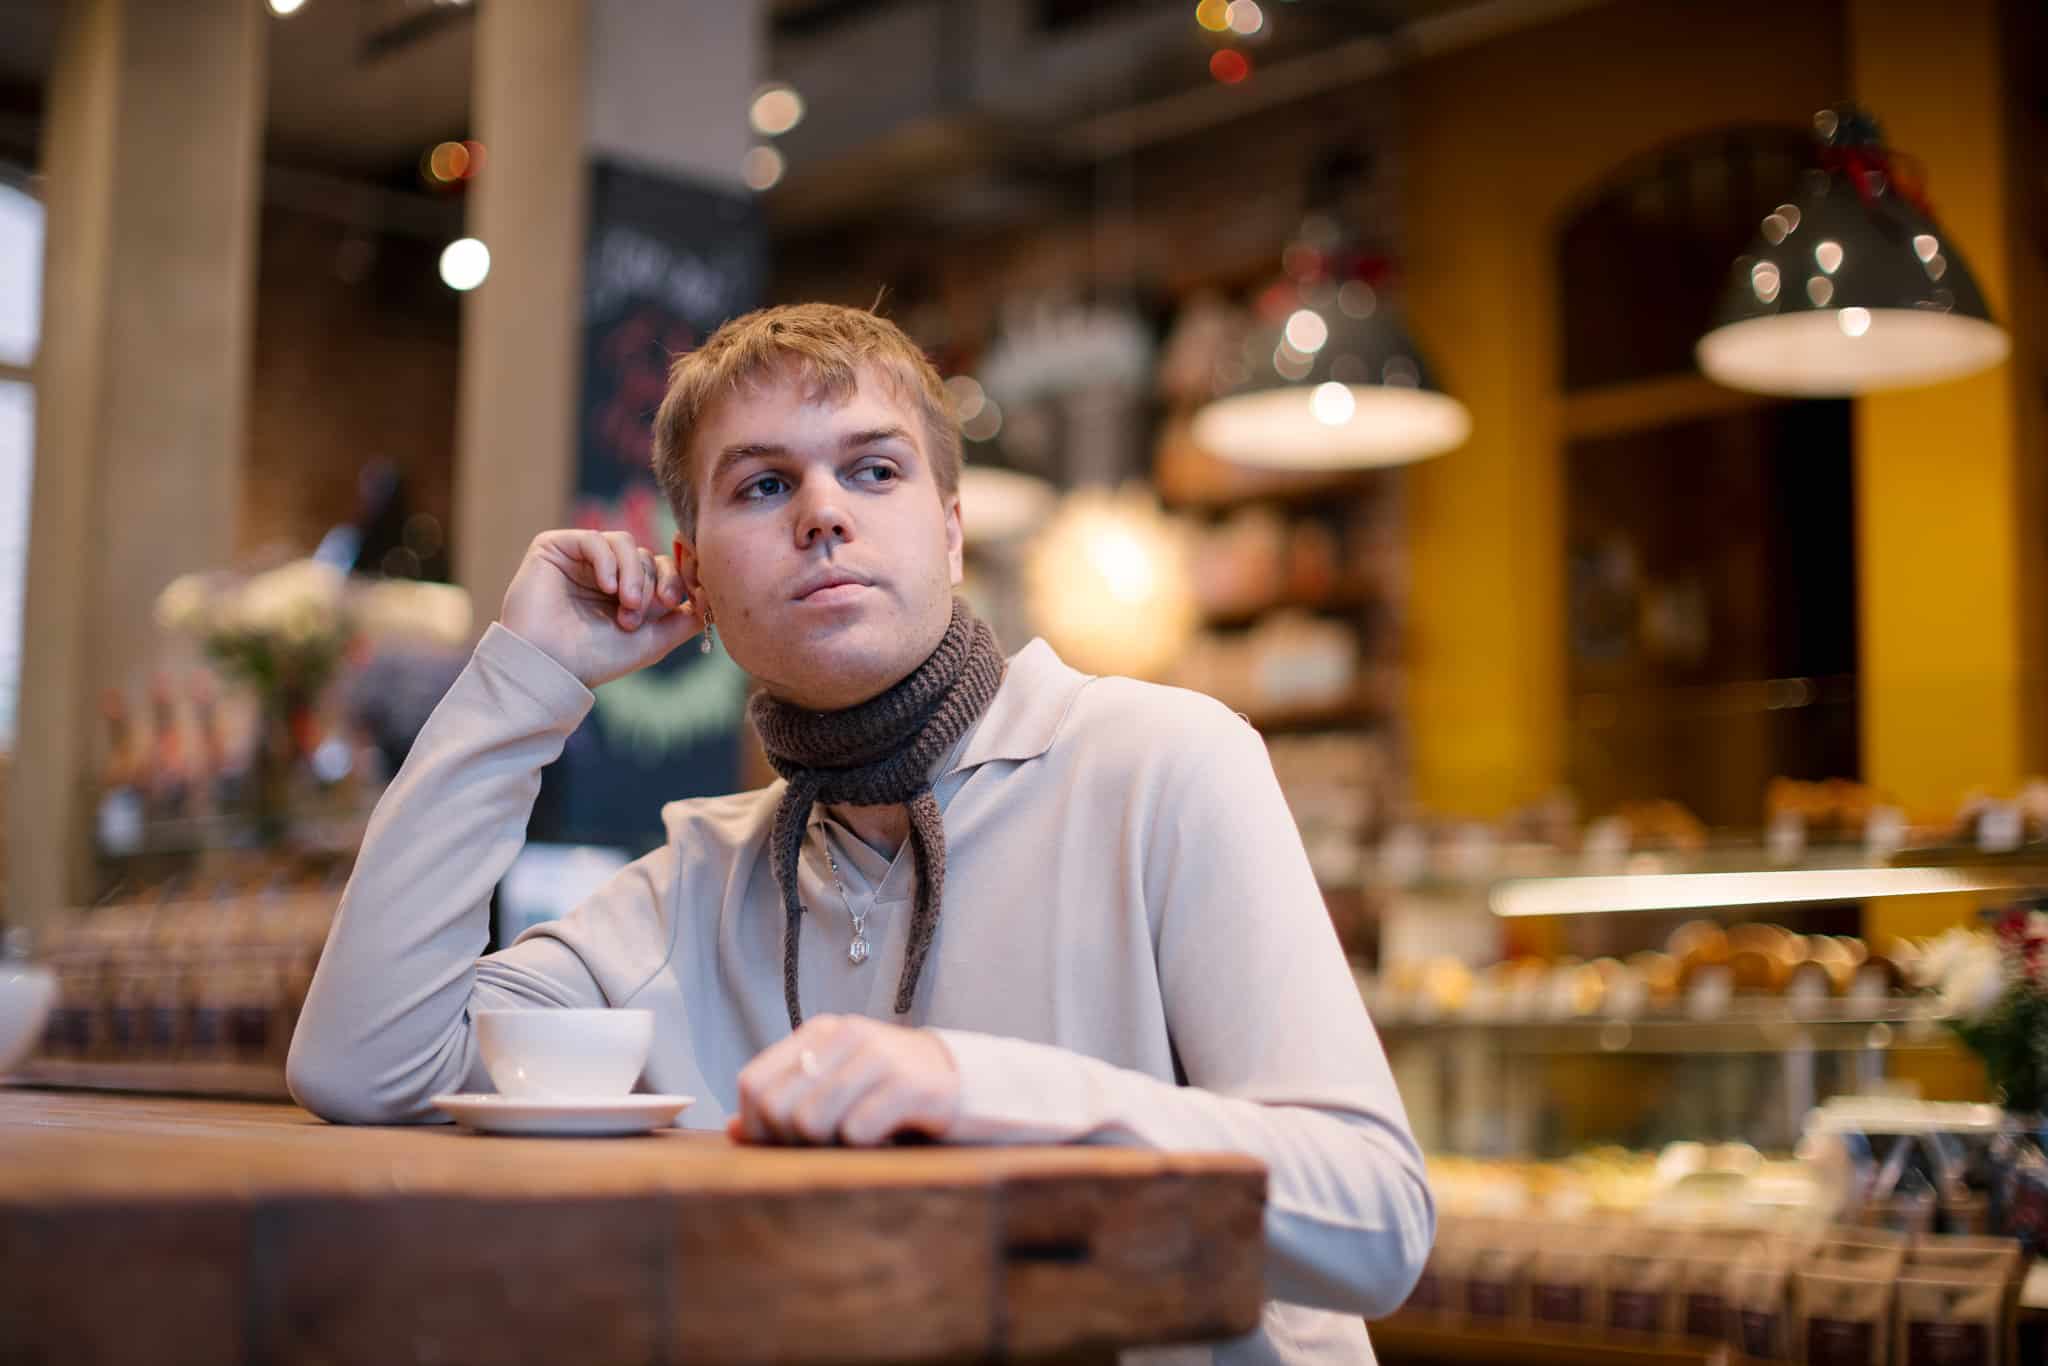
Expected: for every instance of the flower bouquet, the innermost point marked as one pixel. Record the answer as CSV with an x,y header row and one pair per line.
x,y
1999,1007
283,633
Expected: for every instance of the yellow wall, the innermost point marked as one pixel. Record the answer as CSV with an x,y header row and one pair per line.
x,y
1501,139
1938,470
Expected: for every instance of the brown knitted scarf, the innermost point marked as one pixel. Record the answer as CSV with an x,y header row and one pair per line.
x,y
879,753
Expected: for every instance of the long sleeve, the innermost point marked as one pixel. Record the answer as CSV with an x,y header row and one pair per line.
x,y
386,1024
1281,1061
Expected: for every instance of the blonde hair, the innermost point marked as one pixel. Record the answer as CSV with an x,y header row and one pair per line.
x,y
827,344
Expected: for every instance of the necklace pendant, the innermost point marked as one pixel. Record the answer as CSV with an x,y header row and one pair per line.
x,y
857,951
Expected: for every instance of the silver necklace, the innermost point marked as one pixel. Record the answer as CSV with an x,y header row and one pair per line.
x,y
857,951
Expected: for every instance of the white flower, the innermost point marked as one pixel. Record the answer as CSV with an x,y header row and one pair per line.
x,y
1974,981
409,609
185,604
298,602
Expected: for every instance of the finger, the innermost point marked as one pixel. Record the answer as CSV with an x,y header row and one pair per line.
x,y
817,1116
781,1084
883,1113
783,1096
815,1034
642,582
632,574
597,552
668,581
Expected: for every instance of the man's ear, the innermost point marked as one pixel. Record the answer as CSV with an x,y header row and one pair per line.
x,y
956,540
686,567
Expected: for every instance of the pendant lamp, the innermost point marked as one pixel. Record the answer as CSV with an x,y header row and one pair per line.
x,y
1330,378
1854,289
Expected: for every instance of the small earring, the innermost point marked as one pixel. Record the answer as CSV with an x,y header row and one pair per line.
x,y
704,640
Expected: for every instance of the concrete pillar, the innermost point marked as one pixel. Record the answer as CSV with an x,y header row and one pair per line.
x,y
515,444
151,156
661,85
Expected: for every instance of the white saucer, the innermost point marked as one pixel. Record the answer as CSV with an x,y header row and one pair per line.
x,y
491,1113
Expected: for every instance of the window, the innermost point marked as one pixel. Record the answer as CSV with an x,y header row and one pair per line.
x,y
1711,533
21,304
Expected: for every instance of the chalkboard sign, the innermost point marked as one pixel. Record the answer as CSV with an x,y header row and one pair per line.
x,y
666,262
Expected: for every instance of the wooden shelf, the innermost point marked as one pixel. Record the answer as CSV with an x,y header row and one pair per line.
x,y
1745,1029
236,1080
1244,487
1404,1339
1347,597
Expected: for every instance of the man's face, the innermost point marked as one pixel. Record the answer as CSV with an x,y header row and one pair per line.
x,y
824,548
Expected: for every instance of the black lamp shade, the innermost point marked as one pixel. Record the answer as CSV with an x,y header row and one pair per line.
x,y
1340,385
1854,289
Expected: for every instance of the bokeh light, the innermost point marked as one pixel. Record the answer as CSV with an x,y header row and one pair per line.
x,y
465,263
777,108
448,161
1230,66
986,424
1213,15
763,168
1332,404
967,397
1246,18
284,9
1306,331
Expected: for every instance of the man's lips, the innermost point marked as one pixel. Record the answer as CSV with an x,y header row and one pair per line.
x,y
831,588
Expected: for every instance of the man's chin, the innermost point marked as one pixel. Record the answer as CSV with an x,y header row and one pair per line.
x,y
832,670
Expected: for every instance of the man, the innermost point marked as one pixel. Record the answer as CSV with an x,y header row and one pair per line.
x,y
991,900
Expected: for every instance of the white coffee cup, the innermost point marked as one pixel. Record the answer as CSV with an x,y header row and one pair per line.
x,y
26,994
549,1054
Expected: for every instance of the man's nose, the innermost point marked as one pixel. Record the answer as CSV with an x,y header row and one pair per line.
x,y
820,515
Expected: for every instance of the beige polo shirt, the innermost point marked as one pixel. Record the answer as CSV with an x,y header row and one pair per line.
x,y
1125,891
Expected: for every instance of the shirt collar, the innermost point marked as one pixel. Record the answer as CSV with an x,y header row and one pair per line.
x,y
1024,717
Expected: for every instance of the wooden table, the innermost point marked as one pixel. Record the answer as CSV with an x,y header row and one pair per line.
x,y
145,1230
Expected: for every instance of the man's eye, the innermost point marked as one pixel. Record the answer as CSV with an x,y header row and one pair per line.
x,y
886,473
767,486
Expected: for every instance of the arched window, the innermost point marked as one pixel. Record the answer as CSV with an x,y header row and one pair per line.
x,y
1713,568
21,311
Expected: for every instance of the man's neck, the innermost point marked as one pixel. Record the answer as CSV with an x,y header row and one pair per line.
x,y
882,828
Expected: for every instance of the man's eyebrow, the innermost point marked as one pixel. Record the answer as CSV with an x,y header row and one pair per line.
x,y
753,450
873,436
746,450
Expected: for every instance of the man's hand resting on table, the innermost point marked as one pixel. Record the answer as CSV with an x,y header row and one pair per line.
x,y
598,604
847,1079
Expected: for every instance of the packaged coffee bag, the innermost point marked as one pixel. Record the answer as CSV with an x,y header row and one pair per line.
x,y
1642,1286
1760,1310
1496,1285
1704,1294
1442,1275
1951,1318
1845,1318
1567,1284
